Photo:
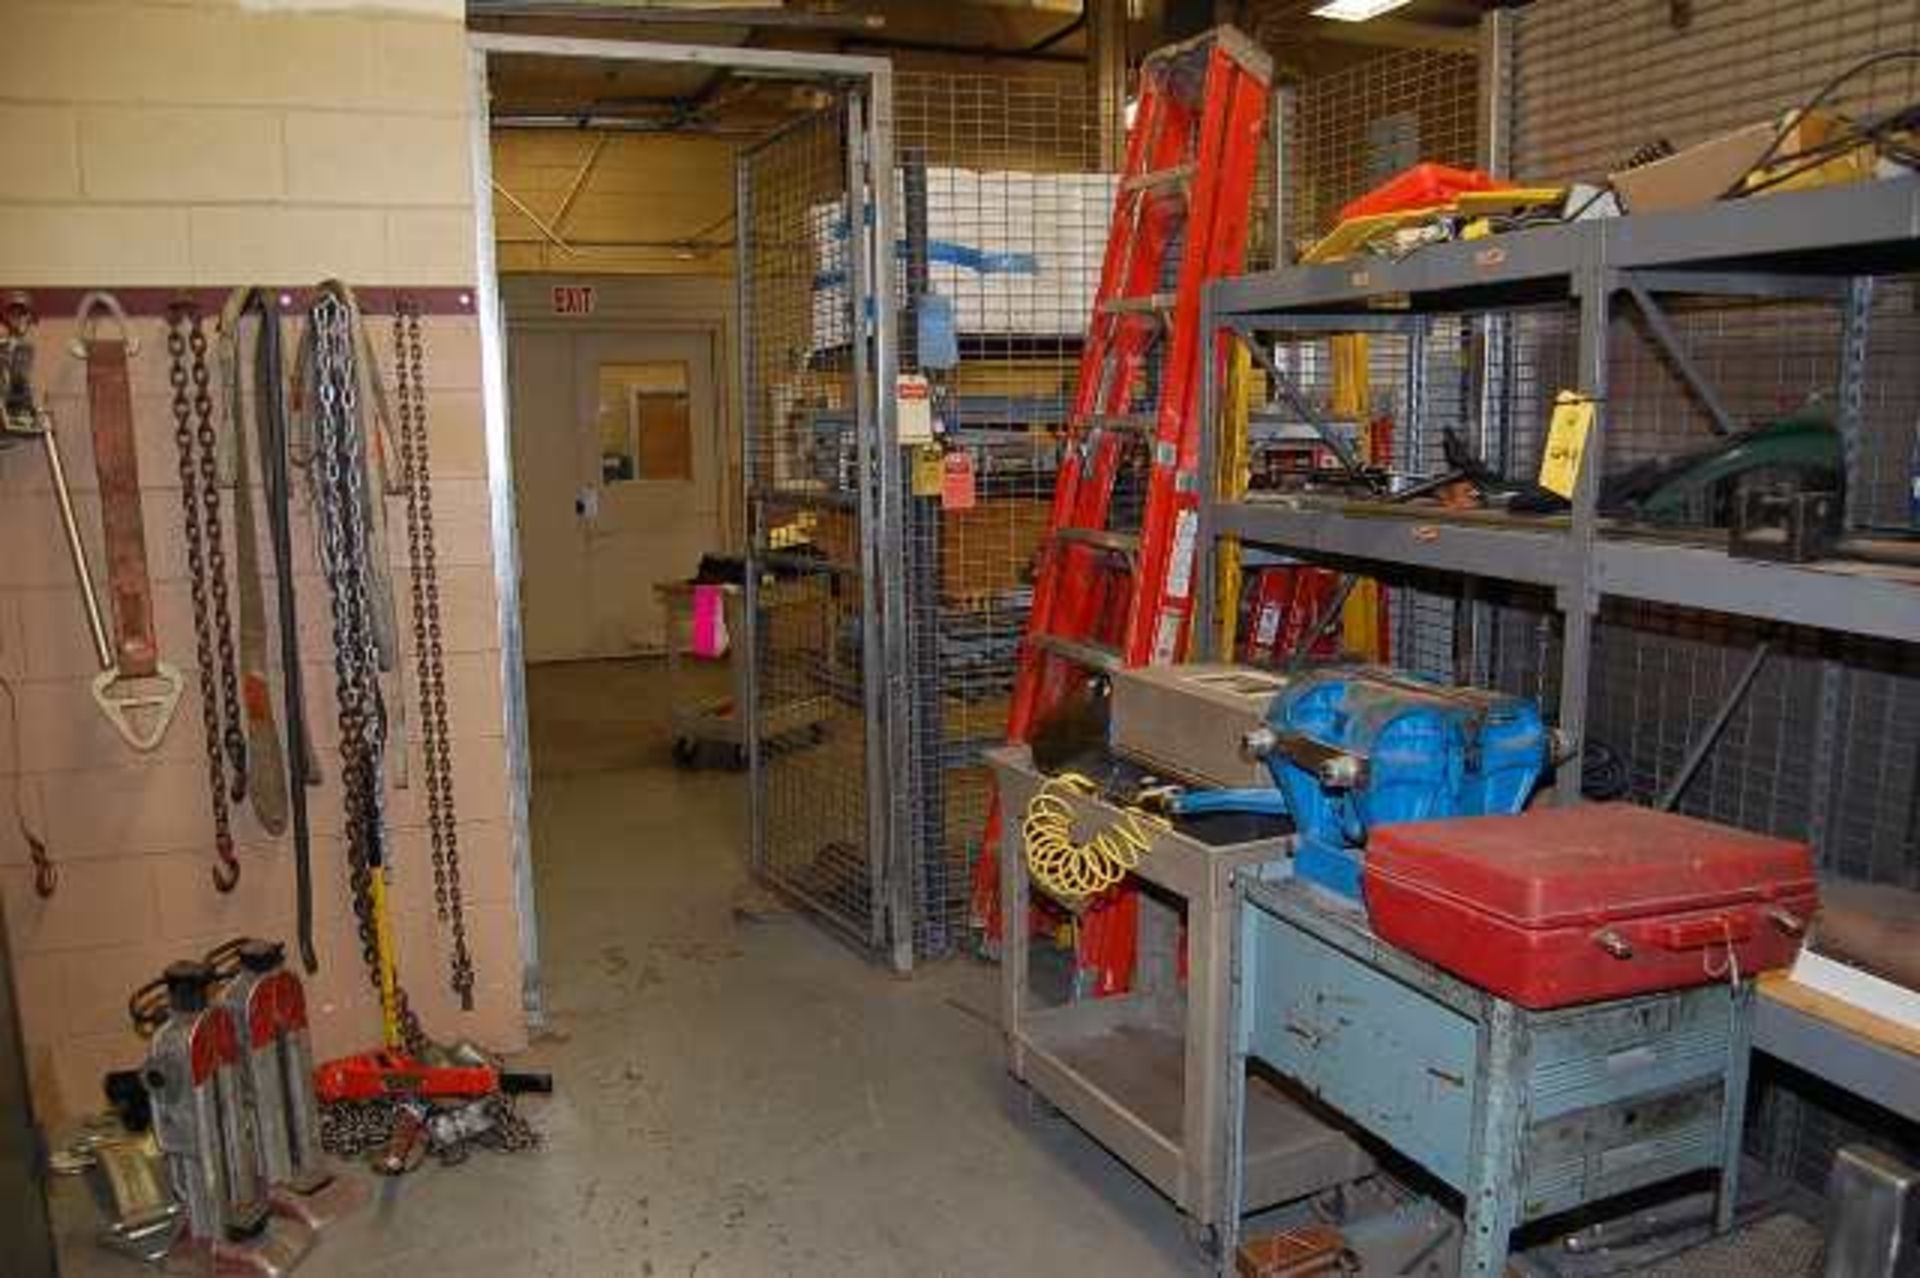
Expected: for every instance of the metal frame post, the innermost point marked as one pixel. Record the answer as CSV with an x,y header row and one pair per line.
x,y
750,513
1405,618
860,292
1856,323
1107,77
899,720
1282,111
1201,633
1594,284
1856,319
491,322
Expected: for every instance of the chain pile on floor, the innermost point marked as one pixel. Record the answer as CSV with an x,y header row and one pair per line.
x,y
352,1129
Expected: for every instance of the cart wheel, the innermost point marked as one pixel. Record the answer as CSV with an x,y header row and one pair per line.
x,y
685,752
1025,1105
739,758
818,732
1205,1238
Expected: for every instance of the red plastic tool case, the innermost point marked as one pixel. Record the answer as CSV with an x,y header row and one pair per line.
x,y
1570,905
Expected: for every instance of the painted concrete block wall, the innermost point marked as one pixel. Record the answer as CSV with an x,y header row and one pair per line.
x,y
218,142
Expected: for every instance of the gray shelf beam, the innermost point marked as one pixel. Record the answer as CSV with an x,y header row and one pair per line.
x,y
1853,598
1544,258
1857,598
1833,231
1873,227
1539,558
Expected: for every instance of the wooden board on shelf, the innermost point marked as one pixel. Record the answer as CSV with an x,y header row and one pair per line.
x,y
1787,992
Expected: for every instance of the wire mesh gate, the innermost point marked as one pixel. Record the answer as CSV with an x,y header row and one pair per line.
x,y
813,344
895,607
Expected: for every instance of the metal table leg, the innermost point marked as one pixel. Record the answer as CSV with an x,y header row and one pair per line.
x,y
1493,1192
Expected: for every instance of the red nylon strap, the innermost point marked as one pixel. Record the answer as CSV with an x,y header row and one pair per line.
x,y
110,410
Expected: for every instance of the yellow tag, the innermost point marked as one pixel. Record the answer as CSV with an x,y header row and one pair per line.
x,y
927,470
1566,443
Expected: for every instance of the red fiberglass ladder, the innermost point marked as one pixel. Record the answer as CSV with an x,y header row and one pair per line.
x,y
1108,595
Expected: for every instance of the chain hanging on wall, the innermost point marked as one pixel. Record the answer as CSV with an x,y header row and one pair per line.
x,y
220,710
342,497
429,662
24,417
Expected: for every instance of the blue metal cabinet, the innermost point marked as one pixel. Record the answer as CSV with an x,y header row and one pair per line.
x,y
1524,1113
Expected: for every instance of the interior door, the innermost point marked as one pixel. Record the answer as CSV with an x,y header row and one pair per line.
x,y
546,475
649,428
616,466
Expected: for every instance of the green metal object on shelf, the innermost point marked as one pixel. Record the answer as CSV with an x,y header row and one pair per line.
x,y
1699,488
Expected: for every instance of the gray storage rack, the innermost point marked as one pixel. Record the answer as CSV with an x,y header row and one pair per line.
x,y
1822,245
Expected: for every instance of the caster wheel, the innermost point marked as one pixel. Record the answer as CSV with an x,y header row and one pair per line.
x,y
685,753
1026,1105
1205,1239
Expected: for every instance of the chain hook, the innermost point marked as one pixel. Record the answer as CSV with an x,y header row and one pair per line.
x,y
17,314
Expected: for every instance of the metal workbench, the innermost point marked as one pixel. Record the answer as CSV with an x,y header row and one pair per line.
x,y
1525,1114
1144,1072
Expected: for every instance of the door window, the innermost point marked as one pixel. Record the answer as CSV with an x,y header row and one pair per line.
x,y
646,427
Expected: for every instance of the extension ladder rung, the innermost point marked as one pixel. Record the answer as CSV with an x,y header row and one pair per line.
x,y
1107,539
1092,656
1158,305
1170,181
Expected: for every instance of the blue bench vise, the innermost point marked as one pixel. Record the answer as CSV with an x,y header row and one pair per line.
x,y
1354,747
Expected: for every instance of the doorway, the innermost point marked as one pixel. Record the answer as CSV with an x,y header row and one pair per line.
x,y
617,456
639,421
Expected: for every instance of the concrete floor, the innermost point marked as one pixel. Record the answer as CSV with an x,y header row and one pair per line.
x,y
733,1097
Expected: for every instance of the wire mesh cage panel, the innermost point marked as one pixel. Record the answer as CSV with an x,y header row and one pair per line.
x,y
1354,128
1825,743
810,597
1002,222
1344,133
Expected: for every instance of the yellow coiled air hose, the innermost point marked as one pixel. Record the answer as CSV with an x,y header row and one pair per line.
x,y
1072,871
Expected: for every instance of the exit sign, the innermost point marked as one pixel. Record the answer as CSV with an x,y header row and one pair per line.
x,y
573,299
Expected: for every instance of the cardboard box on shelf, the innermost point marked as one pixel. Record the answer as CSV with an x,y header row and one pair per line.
x,y
1705,171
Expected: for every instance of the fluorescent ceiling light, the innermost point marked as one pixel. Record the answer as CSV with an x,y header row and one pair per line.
x,y
1356,10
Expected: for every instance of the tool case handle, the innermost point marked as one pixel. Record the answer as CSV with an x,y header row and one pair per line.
x,y
1699,933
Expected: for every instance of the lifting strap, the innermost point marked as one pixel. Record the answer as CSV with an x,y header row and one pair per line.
x,y
138,692
286,773
266,774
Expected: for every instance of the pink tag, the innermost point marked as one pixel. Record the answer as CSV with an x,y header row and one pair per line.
x,y
956,482
709,621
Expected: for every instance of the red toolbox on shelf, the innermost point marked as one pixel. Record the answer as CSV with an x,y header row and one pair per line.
x,y
1604,900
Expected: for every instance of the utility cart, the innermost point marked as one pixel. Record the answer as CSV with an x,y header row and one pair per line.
x,y
1144,1072
701,719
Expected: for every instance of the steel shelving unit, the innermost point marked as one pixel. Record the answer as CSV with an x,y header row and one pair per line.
x,y
1820,246
1816,246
